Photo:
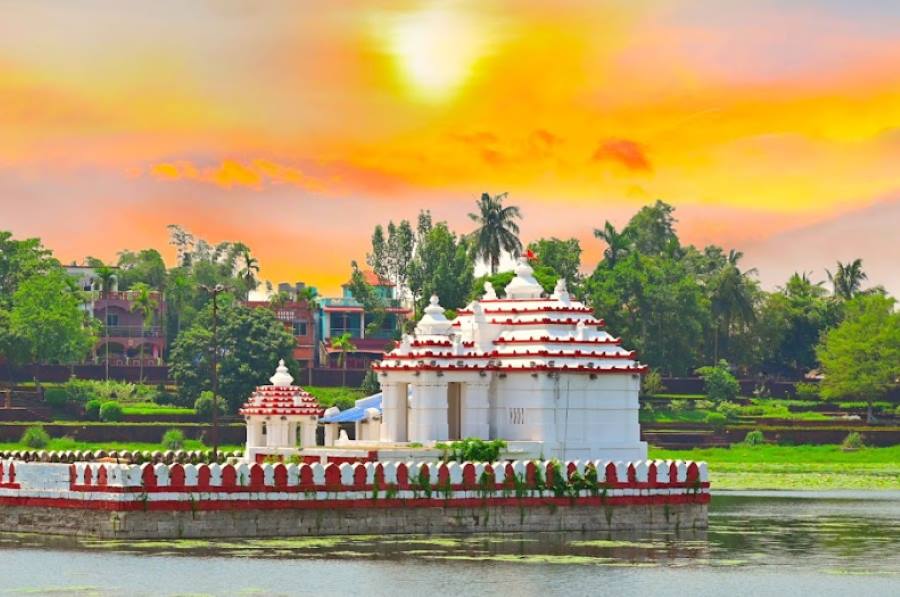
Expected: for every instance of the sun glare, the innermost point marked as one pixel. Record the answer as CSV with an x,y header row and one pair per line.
x,y
436,47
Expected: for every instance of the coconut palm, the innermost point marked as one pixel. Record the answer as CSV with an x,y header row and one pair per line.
x,y
343,343
731,298
847,278
617,243
497,231
144,303
249,270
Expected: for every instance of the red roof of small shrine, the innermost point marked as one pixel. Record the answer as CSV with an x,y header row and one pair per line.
x,y
282,398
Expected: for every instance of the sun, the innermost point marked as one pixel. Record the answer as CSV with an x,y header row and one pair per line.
x,y
436,47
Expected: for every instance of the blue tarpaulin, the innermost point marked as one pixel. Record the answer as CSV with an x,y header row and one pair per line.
x,y
356,413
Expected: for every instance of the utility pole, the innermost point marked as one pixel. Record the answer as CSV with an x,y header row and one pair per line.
x,y
214,291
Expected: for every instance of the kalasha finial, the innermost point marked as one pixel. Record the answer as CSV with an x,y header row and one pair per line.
x,y
282,378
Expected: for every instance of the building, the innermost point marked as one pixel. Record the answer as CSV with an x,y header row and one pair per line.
x,y
281,418
524,368
124,332
347,315
299,315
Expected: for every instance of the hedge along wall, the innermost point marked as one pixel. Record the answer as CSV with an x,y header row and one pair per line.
x,y
117,487
125,432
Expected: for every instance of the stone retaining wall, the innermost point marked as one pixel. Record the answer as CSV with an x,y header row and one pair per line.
x,y
248,500
286,523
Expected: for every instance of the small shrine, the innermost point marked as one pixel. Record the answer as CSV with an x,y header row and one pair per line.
x,y
281,418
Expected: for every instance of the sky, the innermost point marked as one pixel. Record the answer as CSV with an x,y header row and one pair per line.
x,y
773,127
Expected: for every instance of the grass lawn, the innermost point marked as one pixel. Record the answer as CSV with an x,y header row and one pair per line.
x,y
761,409
343,398
795,467
65,443
151,408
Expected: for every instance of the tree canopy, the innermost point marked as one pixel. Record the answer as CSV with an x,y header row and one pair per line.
x,y
861,356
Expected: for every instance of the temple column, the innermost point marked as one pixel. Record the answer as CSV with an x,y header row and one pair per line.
x,y
475,409
308,434
430,407
393,418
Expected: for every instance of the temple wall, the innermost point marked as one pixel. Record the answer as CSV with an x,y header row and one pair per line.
x,y
116,500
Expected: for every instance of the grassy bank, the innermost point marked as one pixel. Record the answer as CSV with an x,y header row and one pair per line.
x,y
65,443
795,467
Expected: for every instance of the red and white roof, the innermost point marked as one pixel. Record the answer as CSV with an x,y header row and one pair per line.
x,y
281,398
522,332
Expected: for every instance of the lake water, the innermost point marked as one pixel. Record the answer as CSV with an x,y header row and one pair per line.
x,y
845,544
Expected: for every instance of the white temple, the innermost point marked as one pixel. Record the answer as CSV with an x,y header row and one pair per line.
x,y
280,417
524,368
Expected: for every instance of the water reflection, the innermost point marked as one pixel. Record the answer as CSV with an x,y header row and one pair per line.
x,y
808,541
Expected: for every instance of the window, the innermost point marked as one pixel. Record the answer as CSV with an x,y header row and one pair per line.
x,y
264,428
517,416
112,319
299,328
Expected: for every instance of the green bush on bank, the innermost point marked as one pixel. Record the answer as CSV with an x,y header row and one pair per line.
x,y
754,438
36,437
110,412
719,383
55,397
92,410
173,439
472,449
204,405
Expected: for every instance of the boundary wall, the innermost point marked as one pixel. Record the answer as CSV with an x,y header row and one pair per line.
x,y
246,499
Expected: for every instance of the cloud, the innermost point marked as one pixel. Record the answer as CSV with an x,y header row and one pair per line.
x,y
230,173
624,152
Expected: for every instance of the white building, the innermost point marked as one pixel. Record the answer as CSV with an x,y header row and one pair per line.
x,y
281,418
534,371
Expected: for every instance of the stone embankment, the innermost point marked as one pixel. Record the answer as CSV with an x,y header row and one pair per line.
x,y
257,500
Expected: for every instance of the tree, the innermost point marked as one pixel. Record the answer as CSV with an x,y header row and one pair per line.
x,y
731,294
145,266
617,243
847,279
146,305
789,324
248,271
861,356
251,342
497,230
651,231
47,321
20,260
343,343
390,256
655,304
719,383
441,266
106,280
562,256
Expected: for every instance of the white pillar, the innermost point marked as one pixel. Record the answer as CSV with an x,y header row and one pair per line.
x,y
330,433
430,411
308,433
393,402
475,410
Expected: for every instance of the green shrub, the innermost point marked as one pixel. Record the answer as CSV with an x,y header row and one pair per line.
x,y
897,411
716,419
35,437
754,438
55,397
703,404
473,449
80,391
719,383
651,384
681,405
754,411
173,439
806,391
92,410
111,411
853,441
204,405
729,409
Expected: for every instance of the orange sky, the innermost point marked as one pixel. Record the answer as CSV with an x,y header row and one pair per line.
x,y
773,127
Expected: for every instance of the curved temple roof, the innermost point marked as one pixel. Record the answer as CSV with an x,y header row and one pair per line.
x,y
281,398
524,332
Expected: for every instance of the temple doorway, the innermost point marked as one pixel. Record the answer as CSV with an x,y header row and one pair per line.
x,y
454,410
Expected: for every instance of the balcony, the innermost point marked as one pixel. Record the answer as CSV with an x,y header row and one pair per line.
x,y
131,331
126,295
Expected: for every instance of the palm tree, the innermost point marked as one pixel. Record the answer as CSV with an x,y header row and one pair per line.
x,y
280,299
344,343
249,271
847,279
617,243
497,230
146,305
106,277
731,298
